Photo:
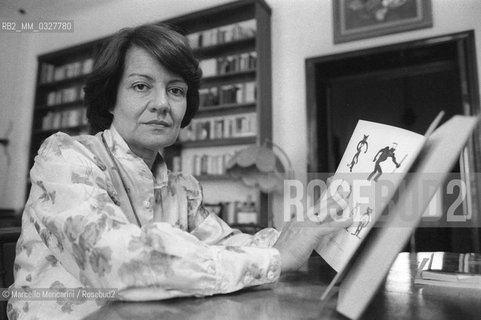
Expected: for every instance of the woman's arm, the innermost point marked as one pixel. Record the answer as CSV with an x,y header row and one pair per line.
x,y
295,242
73,207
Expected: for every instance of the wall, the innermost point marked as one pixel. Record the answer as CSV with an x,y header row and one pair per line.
x,y
304,30
17,87
300,30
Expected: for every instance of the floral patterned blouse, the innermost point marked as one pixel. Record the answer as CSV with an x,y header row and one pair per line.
x,y
98,217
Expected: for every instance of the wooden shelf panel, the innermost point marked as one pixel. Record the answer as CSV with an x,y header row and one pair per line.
x,y
231,77
214,17
226,48
214,177
226,109
219,142
247,228
47,132
72,54
54,85
60,106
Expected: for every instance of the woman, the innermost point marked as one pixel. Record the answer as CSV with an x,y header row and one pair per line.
x,y
105,212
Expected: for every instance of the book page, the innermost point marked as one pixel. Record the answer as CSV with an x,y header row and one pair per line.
x,y
374,163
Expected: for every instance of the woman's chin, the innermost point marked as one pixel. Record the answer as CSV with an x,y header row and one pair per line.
x,y
162,142
164,139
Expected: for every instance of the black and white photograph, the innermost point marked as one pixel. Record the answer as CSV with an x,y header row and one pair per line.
x,y
240,159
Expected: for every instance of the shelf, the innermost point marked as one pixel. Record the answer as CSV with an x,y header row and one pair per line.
x,y
226,109
219,142
67,105
42,132
250,228
54,85
225,14
72,54
239,76
214,177
238,46
221,17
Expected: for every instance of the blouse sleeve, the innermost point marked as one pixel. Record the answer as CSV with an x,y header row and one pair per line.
x,y
73,208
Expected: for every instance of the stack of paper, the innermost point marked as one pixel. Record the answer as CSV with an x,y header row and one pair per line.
x,y
461,270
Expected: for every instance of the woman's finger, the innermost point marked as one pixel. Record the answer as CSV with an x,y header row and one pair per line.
x,y
323,229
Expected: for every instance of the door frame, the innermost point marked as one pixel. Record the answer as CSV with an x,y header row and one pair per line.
x,y
318,123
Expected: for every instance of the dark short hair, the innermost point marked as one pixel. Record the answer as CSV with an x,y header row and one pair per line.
x,y
168,47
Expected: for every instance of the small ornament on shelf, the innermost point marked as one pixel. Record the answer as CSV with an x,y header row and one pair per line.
x,y
246,212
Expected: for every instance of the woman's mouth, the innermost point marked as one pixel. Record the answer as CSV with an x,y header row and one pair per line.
x,y
159,123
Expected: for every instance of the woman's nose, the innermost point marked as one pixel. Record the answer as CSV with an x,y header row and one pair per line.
x,y
160,101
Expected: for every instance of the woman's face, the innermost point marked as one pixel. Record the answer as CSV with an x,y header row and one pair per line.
x,y
151,102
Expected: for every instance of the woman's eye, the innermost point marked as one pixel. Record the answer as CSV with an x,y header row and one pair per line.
x,y
178,92
140,87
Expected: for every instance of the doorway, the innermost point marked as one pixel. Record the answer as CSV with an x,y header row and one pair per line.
x,y
404,85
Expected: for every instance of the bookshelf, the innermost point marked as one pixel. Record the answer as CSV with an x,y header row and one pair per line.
x,y
232,42
59,96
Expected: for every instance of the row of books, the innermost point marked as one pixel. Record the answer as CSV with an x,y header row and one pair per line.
x,y
229,64
51,73
224,34
221,127
66,95
236,93
64,119
204,164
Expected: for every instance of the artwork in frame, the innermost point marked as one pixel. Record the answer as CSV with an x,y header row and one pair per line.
x,y
360,19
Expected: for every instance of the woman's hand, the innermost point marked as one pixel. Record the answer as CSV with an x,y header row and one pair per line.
x,y
299,238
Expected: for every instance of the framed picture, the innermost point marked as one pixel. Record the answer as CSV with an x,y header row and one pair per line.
x,y
360,19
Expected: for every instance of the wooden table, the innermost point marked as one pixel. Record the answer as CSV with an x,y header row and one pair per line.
x,y
296,296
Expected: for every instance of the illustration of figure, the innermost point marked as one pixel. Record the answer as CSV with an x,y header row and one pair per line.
x,y
383,154
365,219
354,213
361,144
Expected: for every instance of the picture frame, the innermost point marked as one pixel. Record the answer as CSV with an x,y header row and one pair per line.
x,y
360,19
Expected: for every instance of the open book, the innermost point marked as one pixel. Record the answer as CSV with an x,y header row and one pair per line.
x,y
378,156
363,261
